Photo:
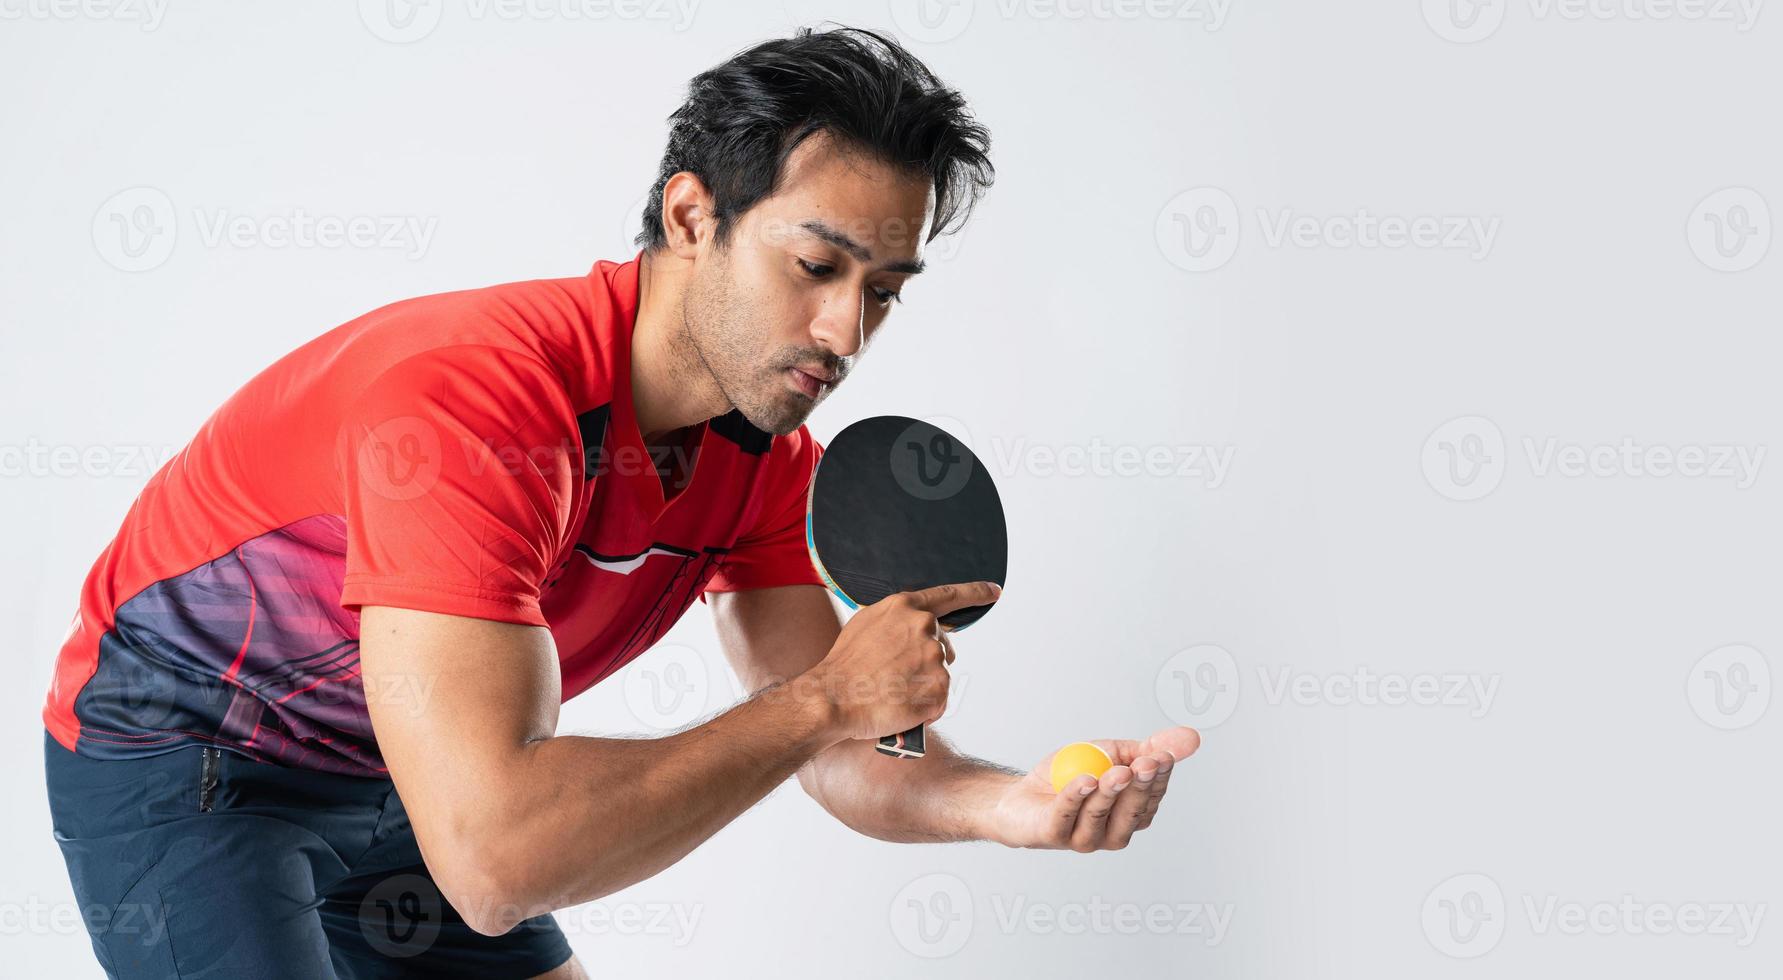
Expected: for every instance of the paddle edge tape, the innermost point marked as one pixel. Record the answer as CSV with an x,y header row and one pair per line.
x,y
817,563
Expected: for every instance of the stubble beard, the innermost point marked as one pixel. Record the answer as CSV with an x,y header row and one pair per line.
x,y
721,334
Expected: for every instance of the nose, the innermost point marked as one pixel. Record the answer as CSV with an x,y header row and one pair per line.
x,y
840,323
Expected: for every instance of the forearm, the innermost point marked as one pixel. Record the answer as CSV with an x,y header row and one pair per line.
x,y
582,817
943,796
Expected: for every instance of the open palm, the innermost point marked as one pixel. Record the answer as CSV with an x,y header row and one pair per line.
x,y
1092,814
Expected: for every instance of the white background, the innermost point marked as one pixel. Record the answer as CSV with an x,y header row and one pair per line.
x,y
1123,289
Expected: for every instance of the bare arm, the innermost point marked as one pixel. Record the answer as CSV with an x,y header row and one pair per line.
x,y
773,634
770,635
514,821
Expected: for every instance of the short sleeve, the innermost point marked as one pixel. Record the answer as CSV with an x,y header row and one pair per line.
x,y
460,469
773,552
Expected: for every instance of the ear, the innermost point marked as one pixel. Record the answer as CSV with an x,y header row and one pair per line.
x,y
687,219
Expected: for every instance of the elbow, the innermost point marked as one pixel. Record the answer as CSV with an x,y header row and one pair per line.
x,y
485,902
819,784
485,889
493,888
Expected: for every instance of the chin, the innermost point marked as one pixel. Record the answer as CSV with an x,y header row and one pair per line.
x,y
781,416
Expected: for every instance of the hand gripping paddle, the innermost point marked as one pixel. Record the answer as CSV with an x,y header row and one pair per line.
x,y
897,505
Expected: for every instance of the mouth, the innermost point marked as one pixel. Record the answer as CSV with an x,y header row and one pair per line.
x,y
811,384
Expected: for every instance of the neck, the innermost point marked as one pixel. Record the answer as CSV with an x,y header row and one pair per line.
x,y
670,386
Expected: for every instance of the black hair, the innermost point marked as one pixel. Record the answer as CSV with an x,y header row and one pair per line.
x,y
743,118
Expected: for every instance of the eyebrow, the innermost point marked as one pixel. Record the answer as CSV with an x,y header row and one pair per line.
x,y
861,252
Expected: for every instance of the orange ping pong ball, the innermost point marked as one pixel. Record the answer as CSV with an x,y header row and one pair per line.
x,y
1075,760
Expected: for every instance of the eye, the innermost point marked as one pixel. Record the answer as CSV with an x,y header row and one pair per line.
x,y
816,270
886,296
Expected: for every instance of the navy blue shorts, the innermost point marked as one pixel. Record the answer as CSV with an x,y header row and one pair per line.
x,y
203,863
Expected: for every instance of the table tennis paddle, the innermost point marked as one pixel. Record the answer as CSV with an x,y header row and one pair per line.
x,y
896,505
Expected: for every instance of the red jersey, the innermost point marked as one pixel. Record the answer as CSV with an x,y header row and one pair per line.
x,y
472,453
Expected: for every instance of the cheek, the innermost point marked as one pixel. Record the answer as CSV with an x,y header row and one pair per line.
x,y
762,323
783,317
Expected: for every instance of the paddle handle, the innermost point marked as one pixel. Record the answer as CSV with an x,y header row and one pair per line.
x,y
908,745
904,745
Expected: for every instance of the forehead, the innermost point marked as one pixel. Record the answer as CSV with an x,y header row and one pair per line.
x,y
884,207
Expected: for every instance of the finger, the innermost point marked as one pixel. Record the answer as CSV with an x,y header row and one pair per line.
x,y
947,649
1159,783
1180,741
1170,746
943,599
1130,807
936,699
1154,790
1092,823
1124,751
1062,819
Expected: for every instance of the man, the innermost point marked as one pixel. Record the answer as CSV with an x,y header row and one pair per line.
x,y
304,723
